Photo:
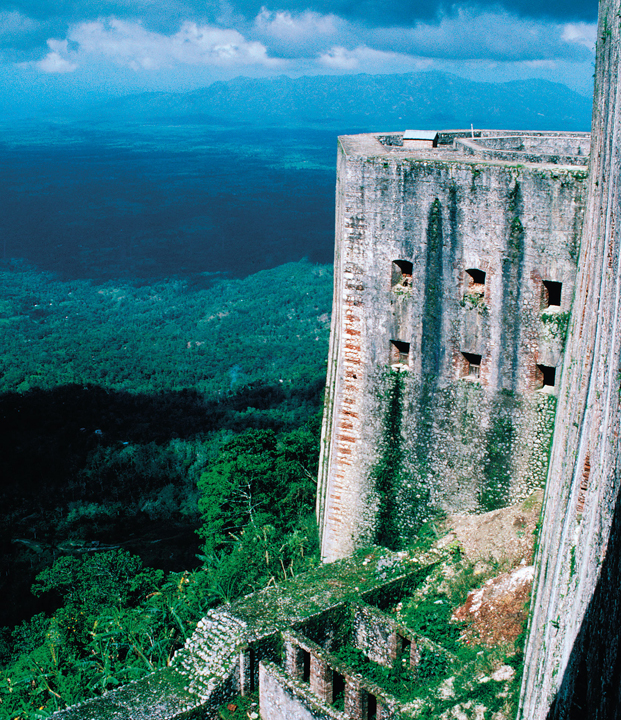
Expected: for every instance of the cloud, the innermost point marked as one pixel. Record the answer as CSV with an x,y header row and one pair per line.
x,y
581,33
54,63
297,35
469,35
57,62
461,34
131,45
13,23
164,15
338,58
465,34
307,41
373,13
363,58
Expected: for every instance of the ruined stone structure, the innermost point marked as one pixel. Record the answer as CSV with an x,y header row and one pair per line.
x,y
281,640
455,265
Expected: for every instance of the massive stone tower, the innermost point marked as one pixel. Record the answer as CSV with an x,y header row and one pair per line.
x,y
454,275
573,659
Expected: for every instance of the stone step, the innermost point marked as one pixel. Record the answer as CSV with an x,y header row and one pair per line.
x,y
210,653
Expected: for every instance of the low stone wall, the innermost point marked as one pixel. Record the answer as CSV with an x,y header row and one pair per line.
x,y
159,696
326,629
380,638
282,698
322,670
222,657
551,150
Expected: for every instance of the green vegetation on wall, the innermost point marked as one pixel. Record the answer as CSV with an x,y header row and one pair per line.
x,y
388,470
495,485
512,273
401,481
431,339
556,324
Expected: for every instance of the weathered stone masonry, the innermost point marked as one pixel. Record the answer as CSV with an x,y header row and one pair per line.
x,y
573,658
443,312
455,264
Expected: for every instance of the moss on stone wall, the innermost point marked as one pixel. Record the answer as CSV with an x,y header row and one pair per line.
x,y
388,469
483,450
495,487
512,276
400,482
453,212
556,325
431,340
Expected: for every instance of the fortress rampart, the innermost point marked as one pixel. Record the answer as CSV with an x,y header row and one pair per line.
x,y
573,659
455,264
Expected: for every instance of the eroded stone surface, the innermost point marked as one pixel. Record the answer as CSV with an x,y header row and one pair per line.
x,y
573,660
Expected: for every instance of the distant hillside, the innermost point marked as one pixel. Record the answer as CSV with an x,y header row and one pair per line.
x,y
372,102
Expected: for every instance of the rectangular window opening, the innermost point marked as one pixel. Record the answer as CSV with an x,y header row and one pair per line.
x,y
476,281
472,365
404,644
401,274
546,376
338,689
551,294
371,707
306,666
399,354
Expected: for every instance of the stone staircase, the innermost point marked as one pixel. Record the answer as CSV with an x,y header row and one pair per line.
x,y
209,655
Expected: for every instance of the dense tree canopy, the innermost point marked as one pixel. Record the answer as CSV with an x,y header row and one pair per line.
x,y
133,418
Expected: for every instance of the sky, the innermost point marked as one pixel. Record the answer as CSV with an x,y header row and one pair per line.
x,y
56,53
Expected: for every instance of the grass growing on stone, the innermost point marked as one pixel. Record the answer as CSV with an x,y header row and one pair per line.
x,y
240,708
557,324
455,673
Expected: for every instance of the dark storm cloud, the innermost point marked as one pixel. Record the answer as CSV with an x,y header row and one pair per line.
x,y
407,12
162,15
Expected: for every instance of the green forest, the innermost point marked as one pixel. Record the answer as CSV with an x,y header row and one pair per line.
x,y
160,446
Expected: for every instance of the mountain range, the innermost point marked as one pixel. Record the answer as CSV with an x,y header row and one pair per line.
x,y
426,100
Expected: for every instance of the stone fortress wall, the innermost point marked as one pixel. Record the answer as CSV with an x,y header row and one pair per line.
x,y
454,277
573,656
